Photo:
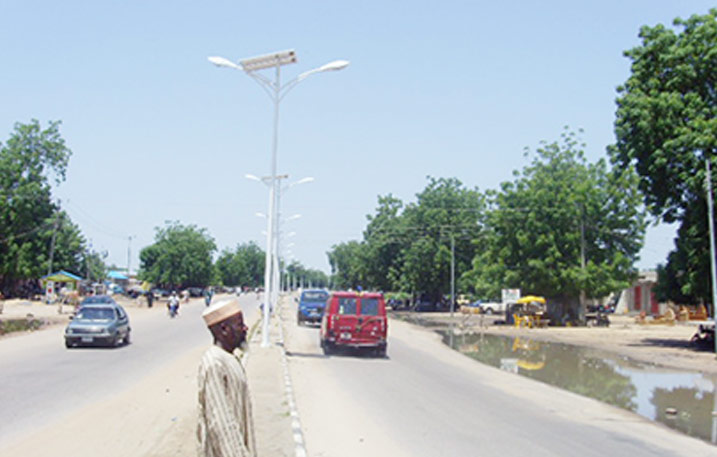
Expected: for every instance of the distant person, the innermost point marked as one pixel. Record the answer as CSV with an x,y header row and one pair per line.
x,y
208,293
225,425
173,304
150,298
2,302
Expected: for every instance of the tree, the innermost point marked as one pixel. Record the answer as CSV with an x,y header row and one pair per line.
x,y
666,126
347,265
30,160
562,228
180,257
408,248
308,277
445,213
242,267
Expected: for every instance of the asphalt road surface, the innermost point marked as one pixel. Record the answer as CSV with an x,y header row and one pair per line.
x,y
41,381
426,400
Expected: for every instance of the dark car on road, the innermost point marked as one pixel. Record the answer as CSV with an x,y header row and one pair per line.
x,y
311,306
98,324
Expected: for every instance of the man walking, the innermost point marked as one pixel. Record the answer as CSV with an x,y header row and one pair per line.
x,y
225,425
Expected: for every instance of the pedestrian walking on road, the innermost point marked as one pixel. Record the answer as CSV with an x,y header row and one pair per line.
x,y
225,426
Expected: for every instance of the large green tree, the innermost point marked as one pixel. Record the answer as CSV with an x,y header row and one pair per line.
x,y
242,267
563,227
408,248
181,256
348,265
441,224
30,162
666,127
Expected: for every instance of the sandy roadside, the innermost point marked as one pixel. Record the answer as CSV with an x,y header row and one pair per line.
x,y
157,415
663,345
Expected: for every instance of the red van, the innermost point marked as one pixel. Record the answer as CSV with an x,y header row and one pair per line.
x,y
355,319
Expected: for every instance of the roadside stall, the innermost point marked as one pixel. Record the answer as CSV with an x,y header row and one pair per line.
x,y
530,311
61,286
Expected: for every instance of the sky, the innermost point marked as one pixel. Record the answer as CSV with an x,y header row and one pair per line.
x,y
441,89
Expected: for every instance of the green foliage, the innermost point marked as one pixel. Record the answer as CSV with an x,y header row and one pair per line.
x,y
180,257
666,126
308,277
409,248
30,160
348,265
242,267
561,227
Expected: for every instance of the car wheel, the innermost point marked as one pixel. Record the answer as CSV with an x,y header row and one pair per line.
x,y
327,347
126,339
381,352
68,345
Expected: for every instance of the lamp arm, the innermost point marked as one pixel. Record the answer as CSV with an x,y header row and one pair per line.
x,y
265,84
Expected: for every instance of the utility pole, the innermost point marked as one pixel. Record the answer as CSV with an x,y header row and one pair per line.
x,y
54,237
453,274
129,251
710,219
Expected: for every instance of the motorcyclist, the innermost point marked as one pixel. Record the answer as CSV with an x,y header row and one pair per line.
x,y
173,304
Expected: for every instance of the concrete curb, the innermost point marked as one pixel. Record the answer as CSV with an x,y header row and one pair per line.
x,y
300,447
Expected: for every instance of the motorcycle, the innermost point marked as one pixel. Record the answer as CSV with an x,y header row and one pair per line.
x,y
173,308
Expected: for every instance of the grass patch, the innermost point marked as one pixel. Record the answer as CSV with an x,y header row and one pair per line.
x,y
20,325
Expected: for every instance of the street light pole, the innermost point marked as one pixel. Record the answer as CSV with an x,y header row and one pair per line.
x,y
276,92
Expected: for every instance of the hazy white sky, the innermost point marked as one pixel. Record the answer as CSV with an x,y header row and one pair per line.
x,y
453,88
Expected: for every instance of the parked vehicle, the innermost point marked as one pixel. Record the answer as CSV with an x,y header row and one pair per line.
x,y
195,292
98,323
355,320
490,307
311,306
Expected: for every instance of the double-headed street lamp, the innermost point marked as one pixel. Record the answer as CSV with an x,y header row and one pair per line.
x,y
276,92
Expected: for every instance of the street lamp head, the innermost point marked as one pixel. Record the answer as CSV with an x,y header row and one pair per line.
x,y
222,62
308,179
331,66
252,177
335,65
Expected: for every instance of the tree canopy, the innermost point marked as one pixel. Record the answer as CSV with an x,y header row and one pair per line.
x,y
180,257
562,227
242,267
408,248
32,159
666,127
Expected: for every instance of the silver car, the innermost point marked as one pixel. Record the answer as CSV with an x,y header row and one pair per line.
x,y
98,324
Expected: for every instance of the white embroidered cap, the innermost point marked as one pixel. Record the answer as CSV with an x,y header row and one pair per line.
x,y
221,310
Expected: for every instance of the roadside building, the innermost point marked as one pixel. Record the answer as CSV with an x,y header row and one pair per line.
x,y
641,297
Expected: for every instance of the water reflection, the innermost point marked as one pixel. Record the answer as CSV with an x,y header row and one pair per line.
x,y
682,400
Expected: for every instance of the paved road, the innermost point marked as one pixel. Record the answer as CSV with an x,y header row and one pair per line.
x,y
41,381
426,400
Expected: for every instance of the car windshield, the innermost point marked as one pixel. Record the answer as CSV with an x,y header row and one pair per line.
x,y
315,296
96,314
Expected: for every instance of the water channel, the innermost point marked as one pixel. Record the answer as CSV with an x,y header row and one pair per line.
x,y
682,400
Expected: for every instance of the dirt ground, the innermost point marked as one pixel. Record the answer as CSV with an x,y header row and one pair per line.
x,y
659,344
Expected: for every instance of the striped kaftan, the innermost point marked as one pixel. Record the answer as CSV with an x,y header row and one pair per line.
x,y
225,427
